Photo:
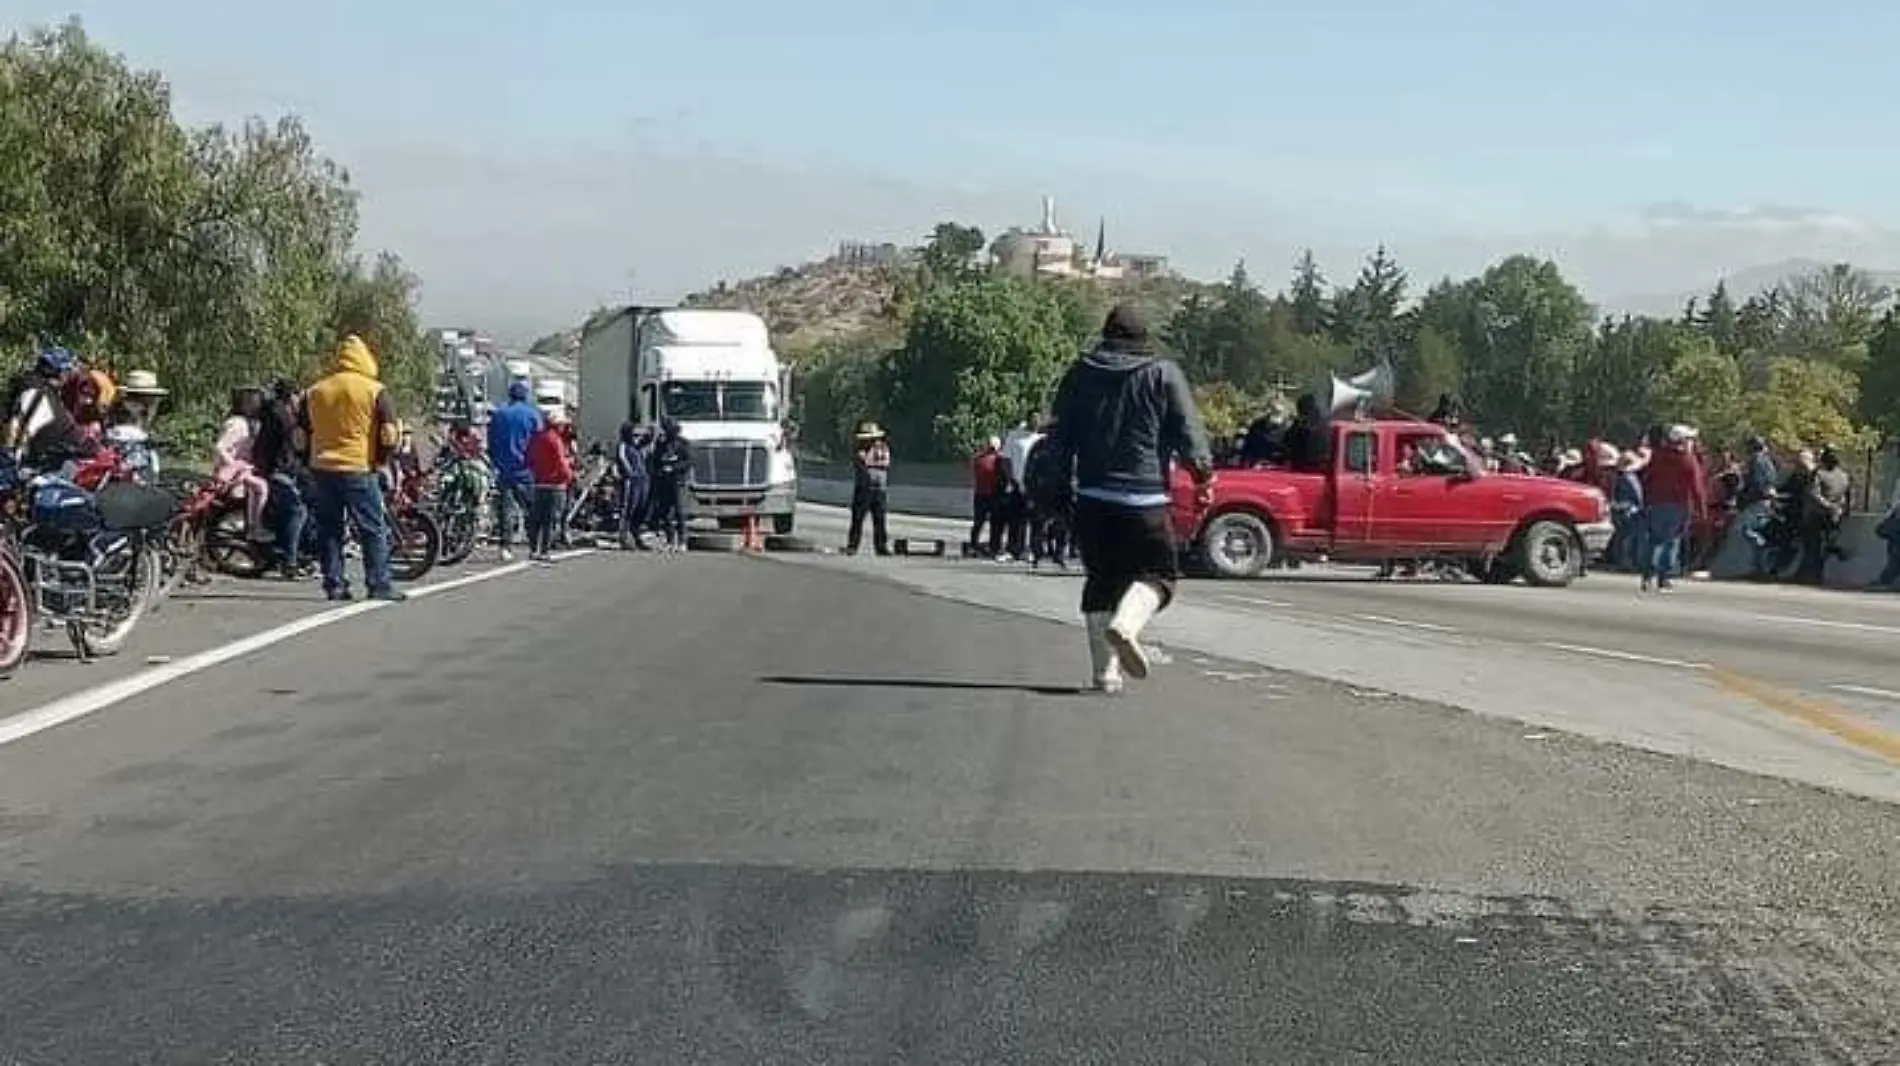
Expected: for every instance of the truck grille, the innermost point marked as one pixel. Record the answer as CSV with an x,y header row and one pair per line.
x,y
730,465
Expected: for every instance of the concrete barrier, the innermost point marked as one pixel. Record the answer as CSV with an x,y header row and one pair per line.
x,y
1866,555
928,501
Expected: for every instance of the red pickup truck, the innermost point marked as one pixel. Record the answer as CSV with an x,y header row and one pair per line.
x,y
1395,492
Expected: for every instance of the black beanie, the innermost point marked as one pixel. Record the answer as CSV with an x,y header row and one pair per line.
x,y
1124,324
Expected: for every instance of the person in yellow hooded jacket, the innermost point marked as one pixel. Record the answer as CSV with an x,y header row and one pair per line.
x,y
349,423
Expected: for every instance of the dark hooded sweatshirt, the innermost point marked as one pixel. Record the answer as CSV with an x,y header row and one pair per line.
x,y
1124,415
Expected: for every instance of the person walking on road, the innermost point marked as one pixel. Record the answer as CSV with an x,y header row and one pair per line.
x,y
1889,531
1675,496
630,461
1829,494
1123,415
1014,508
350,425
553,473
510,427
870,491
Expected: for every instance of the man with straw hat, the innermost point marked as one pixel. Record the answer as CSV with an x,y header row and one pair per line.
x,y
870,491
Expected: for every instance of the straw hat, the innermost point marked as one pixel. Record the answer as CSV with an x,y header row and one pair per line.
x,y
142,383
870,431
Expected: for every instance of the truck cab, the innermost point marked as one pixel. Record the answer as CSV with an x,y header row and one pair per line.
x,y
714,372
1395,491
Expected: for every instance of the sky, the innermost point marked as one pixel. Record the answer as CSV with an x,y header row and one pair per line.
x,y
532,160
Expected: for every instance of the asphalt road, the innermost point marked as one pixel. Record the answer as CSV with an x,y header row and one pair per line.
x,y
714,809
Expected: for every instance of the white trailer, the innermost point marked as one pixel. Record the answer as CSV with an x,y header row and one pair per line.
x,y
715,373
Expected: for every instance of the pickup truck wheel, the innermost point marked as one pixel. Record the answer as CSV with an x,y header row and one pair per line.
x,y
1237,544
1547,554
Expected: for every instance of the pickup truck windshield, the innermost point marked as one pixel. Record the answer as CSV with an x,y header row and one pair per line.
x,y
720,401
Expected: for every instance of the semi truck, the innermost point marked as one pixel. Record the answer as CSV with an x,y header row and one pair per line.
x,y
716,374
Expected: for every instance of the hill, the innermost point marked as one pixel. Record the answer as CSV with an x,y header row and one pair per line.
x,y
838,297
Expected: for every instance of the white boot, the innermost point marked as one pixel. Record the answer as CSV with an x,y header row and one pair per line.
x,y
1107,675
1138,606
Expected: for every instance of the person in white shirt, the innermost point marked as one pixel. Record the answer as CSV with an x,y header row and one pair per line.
x,y
1015,502
129,430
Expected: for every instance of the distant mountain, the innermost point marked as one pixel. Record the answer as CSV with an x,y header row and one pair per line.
x,y
1742,284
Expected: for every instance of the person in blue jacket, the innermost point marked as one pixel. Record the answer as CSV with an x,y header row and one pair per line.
x,y
510,427
631,458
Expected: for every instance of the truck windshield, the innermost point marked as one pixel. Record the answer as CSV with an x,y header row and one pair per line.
x,y
715,401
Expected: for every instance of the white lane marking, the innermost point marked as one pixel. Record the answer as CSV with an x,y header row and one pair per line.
x,y
92,700
1625,656
1827,623
1863,690
1385,620
1255,601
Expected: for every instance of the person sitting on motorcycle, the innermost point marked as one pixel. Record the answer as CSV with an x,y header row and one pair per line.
x,y
42,429
89,395
232,460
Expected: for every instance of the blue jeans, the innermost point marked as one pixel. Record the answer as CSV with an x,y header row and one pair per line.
x,y
1665,527
544,517
359,497
1631,540
510,497
633,507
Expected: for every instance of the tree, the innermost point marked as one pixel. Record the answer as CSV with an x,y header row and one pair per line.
x,y
1879,400
215,257
1366,316
951,249
1616,380
1806,404
1720,321
978,354
1226,338
1830,314
1312,314
1697,386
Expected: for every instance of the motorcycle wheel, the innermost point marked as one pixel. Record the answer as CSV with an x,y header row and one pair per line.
x,y
184,546
16,616
227,547
460,523
416,545
92,639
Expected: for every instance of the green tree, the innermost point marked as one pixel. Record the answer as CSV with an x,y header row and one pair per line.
x,y
1312,312
216,257
1879,401
1616,379
978,354
952,249
1366,316
1720,321
1806,404
1830,314
1697,386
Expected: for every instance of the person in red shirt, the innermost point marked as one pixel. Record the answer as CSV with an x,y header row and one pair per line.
x,y
553,471
986,473
1675,497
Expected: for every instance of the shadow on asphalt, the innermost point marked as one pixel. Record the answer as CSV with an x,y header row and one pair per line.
x,y
721,963
926,684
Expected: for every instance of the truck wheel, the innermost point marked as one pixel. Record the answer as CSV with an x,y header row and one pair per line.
x,y
789,543
782,524
1237,544
1547,554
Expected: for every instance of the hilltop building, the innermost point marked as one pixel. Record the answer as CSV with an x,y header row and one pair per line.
x,y
1050,251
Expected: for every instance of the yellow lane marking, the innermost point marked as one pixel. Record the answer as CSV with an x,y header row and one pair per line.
x,y
1817,713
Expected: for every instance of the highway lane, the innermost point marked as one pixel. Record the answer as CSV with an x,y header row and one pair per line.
x,y
1786,681
643,809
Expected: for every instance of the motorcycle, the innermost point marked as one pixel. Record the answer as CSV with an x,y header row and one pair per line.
x,y
16,611
93,561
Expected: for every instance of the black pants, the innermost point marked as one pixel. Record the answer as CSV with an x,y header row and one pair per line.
x,y
876,504
1049,533
544,517
982,515
1123,545
1014,508
664,511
